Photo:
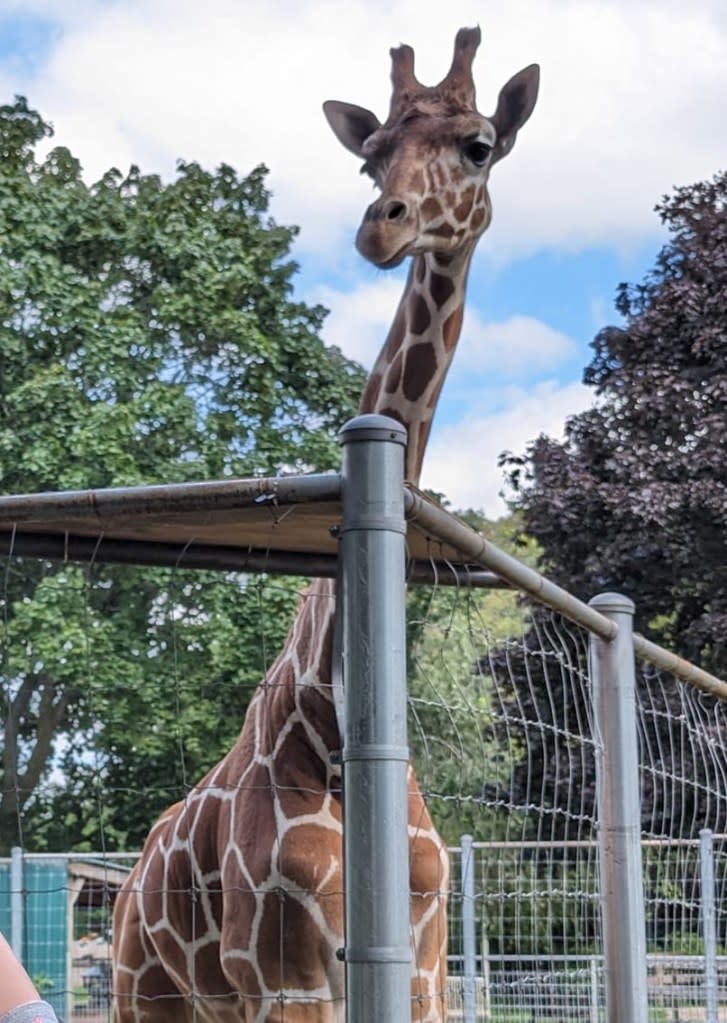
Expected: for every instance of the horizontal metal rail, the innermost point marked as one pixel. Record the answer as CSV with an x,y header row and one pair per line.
x,y
445,528
170,497
486,565
222,558
497,845
685,670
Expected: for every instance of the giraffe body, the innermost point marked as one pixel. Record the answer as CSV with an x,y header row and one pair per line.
x,y
235,909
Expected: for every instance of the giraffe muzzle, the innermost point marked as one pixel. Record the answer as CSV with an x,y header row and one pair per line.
x,y
387,232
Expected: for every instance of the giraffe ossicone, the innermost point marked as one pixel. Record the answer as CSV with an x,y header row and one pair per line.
x,y
234,912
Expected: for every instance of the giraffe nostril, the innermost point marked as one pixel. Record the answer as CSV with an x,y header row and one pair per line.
x,y
396,210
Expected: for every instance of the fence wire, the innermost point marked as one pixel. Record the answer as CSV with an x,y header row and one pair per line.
x,y
147,672
502,722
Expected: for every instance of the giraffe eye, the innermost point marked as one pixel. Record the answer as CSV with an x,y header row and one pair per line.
x,y
477,151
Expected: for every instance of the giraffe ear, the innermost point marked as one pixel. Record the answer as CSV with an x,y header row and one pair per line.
x,y
514,106
351,125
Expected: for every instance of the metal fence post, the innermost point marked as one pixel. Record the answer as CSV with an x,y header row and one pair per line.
x,y
709,924
469,940
375,753
16,901
595,1013
619,810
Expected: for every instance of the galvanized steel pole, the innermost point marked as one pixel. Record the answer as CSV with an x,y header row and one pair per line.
x,y
619,810
469,947
16,901
375,753
709,925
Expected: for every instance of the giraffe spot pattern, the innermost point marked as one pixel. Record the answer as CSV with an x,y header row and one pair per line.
x,y
419,316
441,288
393,377
452,328
285,961
421,363
462,210
477,219
371,393
442,231
431,208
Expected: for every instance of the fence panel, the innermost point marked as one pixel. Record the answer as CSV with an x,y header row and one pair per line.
x,y
505,747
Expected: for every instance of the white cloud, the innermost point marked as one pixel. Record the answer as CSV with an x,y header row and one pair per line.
x,y
517,346
462,457
359,320
631,103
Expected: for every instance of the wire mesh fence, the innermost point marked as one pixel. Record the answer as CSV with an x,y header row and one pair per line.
x,y
157,667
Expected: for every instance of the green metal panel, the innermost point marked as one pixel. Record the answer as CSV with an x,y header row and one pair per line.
x,y
46,929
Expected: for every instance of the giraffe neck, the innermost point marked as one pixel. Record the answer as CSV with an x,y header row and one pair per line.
x,y
405,383
408,375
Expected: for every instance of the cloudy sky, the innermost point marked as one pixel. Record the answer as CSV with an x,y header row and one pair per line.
x,y
632,103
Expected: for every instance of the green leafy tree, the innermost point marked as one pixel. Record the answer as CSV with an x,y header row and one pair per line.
x,y
460,756
148,333
635,498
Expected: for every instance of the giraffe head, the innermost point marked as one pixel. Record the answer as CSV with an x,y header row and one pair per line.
x,y
432,156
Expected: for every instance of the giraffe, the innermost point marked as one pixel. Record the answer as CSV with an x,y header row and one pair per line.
x,y
234,911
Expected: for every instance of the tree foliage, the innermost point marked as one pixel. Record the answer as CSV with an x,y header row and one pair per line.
x,y
460,757
634,499
148,333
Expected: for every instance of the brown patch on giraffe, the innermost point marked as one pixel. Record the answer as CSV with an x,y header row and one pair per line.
x,y
461,211
153,885
155,984
452,328
393,377
421,365
240,905
444,258
394,413
320,714
426,874
274,707
420,270
417,181
419,315
300,775
184,911
423,435
291,949
170,952
441,288
310,858
183,824
242,976
216,902
311,861
209,978
256,829
477,219
443,231
371,393
431,208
